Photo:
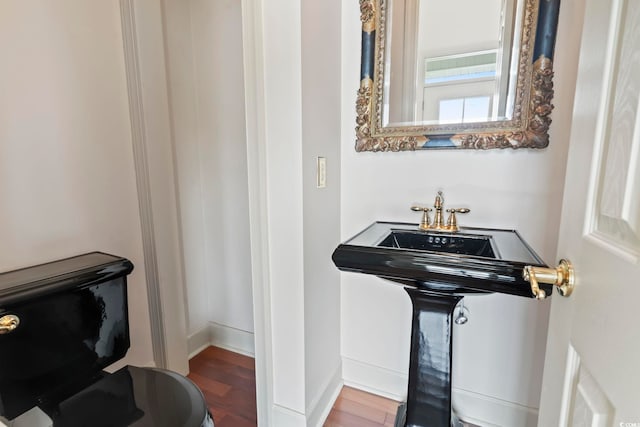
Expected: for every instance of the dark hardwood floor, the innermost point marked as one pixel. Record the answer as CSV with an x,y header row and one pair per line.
x,y
358,408
228,382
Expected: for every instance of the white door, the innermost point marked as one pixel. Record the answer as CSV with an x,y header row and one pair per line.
x,y
592,366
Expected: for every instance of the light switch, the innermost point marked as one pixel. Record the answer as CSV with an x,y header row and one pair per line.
x,y
321,172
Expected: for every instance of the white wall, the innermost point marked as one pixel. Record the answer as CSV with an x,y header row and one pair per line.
x,y
321,86
67,180
280,48
182,95
204,50
293,106
217,38
498,355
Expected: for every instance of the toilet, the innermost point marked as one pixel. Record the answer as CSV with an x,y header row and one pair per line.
x,y
61,324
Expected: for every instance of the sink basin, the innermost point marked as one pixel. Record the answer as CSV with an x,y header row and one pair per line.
x,y
465,244
468,261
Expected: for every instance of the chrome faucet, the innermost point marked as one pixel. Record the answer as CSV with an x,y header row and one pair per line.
x,y
438,222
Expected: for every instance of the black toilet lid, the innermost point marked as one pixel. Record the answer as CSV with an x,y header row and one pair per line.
x,y
140,397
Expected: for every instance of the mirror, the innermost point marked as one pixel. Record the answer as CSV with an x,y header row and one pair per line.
x,y
455,74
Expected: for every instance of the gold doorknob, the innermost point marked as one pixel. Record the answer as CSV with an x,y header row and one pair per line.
x,y
8,323
562,276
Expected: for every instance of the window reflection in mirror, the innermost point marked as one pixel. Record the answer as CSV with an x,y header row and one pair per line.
x,y
450,61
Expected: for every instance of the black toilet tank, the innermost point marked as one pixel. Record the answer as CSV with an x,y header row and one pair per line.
x,y
61,323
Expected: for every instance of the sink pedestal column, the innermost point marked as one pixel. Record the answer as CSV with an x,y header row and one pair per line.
x,y
429,392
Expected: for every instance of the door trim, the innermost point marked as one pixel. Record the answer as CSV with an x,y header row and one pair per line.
x,y
252,32
154,163
139,142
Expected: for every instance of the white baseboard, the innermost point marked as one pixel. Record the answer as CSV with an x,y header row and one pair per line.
x,y
320,407
489,411
472,407
222,336
198,341
285,417
374,379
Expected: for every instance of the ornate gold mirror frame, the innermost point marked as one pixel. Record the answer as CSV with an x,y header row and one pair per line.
x,y
529,125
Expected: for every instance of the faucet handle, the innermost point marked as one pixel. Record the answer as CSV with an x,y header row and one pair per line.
x,y
452,221
439,200
426,221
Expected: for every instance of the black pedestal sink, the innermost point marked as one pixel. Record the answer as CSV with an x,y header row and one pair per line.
x,y
438,269
470,260
465,244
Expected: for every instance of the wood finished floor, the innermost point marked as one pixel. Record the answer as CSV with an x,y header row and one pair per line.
x,y
228,382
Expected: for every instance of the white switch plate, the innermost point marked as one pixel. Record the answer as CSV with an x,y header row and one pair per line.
x,y
321,172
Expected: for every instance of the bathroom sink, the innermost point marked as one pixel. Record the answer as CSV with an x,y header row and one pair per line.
x,y
468,261
465,244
